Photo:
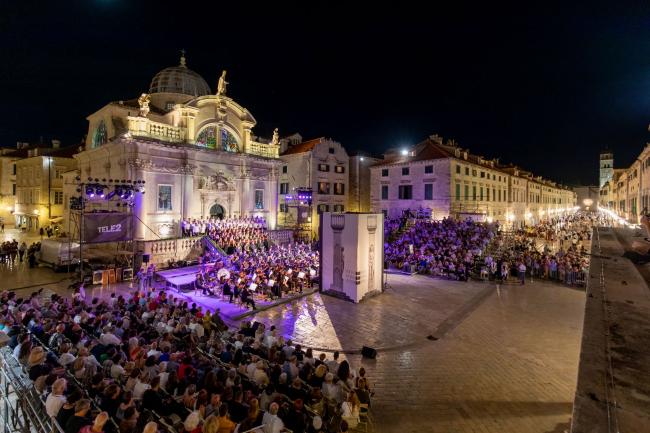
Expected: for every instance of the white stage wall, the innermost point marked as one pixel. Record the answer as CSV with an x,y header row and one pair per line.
x,y
352,254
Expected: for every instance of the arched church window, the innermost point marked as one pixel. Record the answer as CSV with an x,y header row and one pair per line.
x,y
228,141
100,135
213,137
207,138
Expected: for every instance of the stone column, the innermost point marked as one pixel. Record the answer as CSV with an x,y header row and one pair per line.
x,y
338,224
272,194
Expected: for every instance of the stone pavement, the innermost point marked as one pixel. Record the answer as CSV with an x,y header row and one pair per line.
x,y
508,364
505,359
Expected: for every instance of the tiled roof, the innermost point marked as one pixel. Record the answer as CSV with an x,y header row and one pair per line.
x,y
305,146
431,149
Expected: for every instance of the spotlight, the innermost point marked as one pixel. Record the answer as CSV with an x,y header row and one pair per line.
x,y
100,192
90,192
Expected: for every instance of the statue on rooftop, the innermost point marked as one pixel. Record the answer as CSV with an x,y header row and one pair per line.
x,y
221,87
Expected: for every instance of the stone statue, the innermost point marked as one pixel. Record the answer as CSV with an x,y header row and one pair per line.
x,y
276,137
143,101
221,87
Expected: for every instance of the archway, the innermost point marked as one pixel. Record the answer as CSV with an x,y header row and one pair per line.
x,y
217,211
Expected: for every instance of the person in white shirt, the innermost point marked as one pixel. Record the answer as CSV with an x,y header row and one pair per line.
x,y
56,399
252,367
163,375
65,358
153,351
141,385
272,423
108,337
260,377
333,365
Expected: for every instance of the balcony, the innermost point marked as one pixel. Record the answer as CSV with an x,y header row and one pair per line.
x,y
263,150
143,127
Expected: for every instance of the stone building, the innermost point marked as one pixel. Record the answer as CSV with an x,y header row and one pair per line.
x,y
321,164
627,192
194,149
39,199
8,185
440,180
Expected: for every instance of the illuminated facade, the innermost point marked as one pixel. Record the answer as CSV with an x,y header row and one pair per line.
x,y
627,193
321,164
443,180
195,150
39,199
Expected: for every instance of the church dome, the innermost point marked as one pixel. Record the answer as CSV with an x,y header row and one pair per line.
x,y
179,79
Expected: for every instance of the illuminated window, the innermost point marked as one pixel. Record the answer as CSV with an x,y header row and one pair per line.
x,y
207,138
338,208
58,197
339,169
100,135
339,188
259,199
164,197
323,167
228,141
323,208
224,140
323,187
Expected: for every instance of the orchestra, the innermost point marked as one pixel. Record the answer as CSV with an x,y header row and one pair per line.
x,y
260,273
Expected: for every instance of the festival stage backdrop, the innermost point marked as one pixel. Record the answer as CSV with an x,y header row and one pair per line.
x,y
107,227
352,253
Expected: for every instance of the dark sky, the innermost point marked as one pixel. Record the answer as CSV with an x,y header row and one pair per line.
x,y
544,88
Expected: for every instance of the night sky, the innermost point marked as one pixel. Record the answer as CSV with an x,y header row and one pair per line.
x,y
546,89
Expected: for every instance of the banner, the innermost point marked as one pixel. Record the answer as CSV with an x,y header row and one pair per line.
x,y
107,227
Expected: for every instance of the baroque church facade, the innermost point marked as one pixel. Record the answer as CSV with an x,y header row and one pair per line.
x,y
194,149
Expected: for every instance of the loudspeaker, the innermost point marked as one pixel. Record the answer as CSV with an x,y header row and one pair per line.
x,y
145,258
368,352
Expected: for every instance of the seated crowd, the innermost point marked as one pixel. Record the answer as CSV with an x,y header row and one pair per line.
x,y
441,248
267,272
138,363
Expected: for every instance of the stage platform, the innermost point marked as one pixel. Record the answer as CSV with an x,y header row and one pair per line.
x,y
179,282
234,312
180,279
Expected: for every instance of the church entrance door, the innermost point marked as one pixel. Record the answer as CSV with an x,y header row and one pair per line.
x,y
217,211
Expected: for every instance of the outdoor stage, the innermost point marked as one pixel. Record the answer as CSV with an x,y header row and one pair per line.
x,y
172,279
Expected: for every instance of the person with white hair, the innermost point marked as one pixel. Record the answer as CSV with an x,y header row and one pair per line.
x,y
271,421
191,424
56,399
